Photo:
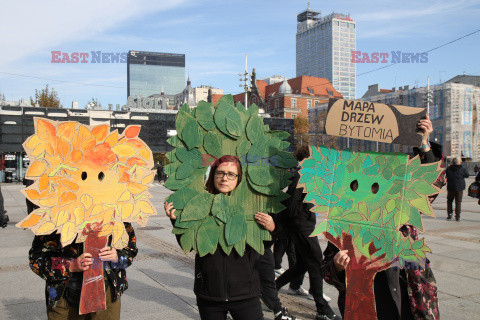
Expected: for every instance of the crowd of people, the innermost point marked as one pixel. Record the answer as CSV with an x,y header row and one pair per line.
x,y
237,284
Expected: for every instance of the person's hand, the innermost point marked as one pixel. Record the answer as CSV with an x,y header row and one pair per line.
x,y
170,210
108,254
82,263
426,126
265,220
341,260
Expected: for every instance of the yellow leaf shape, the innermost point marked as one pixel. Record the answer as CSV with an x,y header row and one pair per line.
x,y
97,209
144,206
67,198
145,153
118,230
112,139
125,196
148,179
79,214
81,237
45,228
106,230
86,201
39,149
124,150
70,185
68,233
36,169
49,149
63,148
136,188
127,210
77,155
33,142
49,202
62,217
108,216
100,132
43,182
46,131
89,144
66,130
32,194
30,221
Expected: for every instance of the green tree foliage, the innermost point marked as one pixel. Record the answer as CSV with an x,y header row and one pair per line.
x,y
206,221
367,198
46,98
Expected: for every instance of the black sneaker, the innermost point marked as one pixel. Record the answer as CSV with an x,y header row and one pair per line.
x,y
329,316
458,218
449,217
285,315
4,221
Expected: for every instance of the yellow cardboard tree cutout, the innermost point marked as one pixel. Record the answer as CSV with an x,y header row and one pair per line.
x,y
87,177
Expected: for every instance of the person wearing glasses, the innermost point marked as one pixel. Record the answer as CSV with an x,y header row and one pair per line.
x,y
227,283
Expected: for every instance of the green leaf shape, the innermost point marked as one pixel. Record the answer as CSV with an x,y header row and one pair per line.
x,y
198,208
175,141
422,205
193,156
261,175
212,144
254,130
253,110
204,115
184,171
181,197
255,236
223,242
220,207
283,145
185,108
207,237
191,134
282,135
173,183
223,109
283,159
171,168
321,228
187,240
235,229
425,188
171,156
234,123
181,120
257,151
271,190
240,107
242,149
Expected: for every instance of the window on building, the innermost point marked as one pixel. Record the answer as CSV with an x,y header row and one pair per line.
x,y
276,104
294,116
311,91
294,102
309,103
254,100
330,93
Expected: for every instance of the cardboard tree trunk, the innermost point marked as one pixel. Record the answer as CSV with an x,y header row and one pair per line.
x,y
367,197
87,176
93,298
204,134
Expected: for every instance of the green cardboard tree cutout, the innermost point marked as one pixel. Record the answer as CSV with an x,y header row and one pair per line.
x,y
367,198
204,134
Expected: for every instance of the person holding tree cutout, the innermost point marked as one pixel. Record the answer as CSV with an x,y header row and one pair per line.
x,y
396,294
227,283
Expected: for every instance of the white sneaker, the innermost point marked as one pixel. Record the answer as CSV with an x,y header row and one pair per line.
x,y
299,292
279,272
327,298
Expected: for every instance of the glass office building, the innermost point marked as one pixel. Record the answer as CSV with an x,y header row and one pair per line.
x,y
324,49
150,72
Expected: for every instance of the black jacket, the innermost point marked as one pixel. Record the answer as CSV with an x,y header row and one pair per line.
x,y
456,175
298,215
222,277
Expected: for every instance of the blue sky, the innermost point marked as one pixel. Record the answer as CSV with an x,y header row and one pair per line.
x,y
215,35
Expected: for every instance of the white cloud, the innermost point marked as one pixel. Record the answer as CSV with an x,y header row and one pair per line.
x,y
36,25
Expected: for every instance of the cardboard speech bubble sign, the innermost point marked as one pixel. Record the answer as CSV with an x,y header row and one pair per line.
x,y
374,121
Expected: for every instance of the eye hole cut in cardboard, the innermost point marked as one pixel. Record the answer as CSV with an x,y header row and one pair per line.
x,y
374,121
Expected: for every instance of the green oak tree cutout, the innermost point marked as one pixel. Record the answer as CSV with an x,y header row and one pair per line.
x,y
366,220
206,221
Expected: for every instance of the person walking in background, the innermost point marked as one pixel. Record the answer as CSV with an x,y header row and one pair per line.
x,y
3,217
456,175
